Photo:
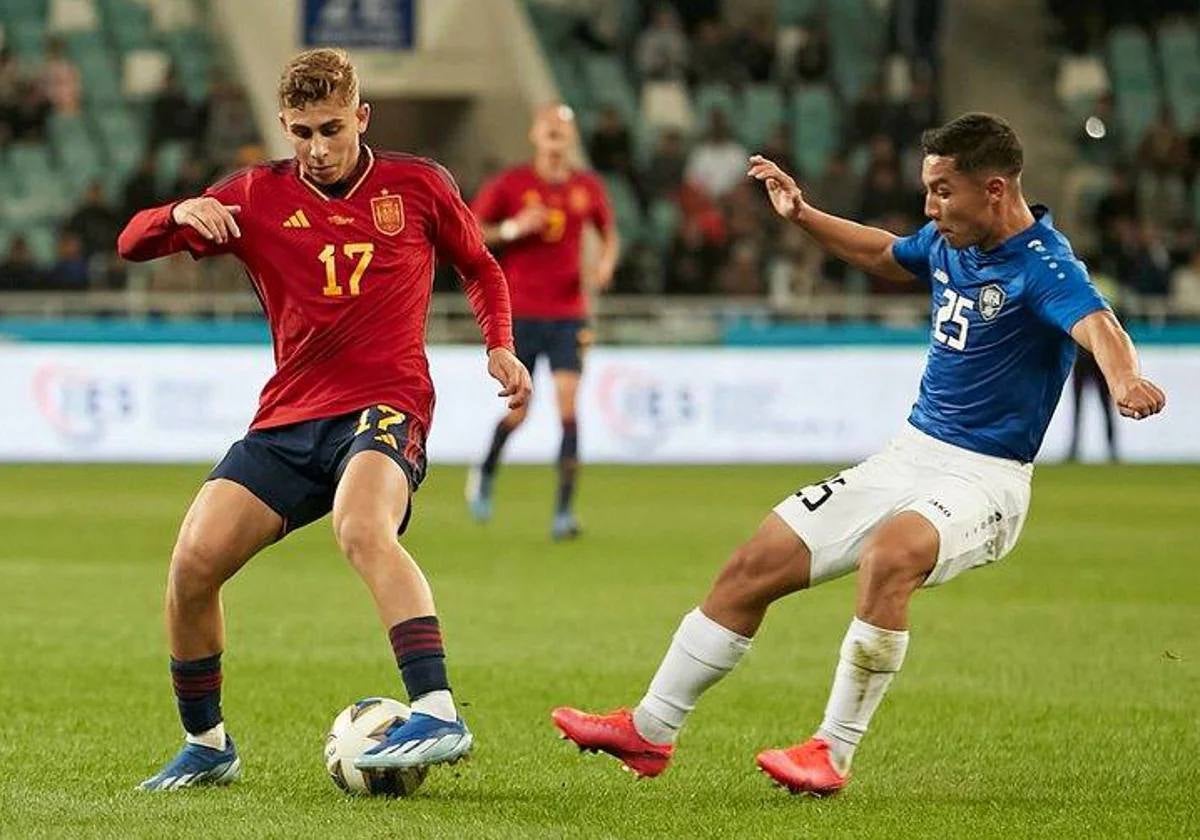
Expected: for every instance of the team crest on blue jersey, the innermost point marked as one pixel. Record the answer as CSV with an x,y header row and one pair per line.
x,y
991,298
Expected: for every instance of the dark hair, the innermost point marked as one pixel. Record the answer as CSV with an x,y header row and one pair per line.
x,y
977,142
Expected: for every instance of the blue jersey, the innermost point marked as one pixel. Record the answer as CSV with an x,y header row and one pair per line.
x,y
1001,347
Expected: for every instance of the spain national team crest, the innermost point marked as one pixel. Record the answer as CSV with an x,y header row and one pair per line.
x,y
580,200
991,298
388,213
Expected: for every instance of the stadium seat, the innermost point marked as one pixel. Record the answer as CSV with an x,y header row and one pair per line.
x,y
27,38
128,24
1082,79
168,161
41,241
625,206
715,97
796,12
762,111
1179,57
144,73
72,16
1130,59
857,32
664,220
814,128
610,86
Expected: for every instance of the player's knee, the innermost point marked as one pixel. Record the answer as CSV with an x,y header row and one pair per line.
x,y
362,538
893,568
755,573
197,567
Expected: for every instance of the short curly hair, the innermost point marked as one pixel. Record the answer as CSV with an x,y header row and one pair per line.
x,y
316,75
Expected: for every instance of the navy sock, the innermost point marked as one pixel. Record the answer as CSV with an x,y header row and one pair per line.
x,y
417,644
499,438
568,465
197,684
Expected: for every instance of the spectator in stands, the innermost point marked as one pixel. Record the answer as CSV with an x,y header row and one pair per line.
x,y
173,117
869,116
195,174
27,118
609,145
664,173
95,222
916,27
230,120
837,191
812,55
718,162
713,59
141,190
1163,149
18,273
778,147
10,79
742,274
60,79
885,201
662,48
916,113
754,45
1143,263
70,270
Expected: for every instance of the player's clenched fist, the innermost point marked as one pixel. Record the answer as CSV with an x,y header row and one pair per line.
x,y
215,221
781,187
1139,398
514,379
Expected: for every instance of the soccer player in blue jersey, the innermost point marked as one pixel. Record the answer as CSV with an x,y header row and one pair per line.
x,y
950,492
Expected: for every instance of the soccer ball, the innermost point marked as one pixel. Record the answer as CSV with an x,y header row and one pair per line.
x,y
356,729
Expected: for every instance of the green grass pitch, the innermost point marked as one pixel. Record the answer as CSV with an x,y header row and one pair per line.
x,y
1056,694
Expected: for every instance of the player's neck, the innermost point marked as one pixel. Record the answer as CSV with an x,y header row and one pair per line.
x,y
552,168
1015,218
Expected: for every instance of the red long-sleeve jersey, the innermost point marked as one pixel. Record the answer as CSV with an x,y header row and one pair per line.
x,y
345,282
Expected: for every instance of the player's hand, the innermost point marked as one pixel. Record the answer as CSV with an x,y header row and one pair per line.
x,y
214,221
785,194
531,219
514,379
600,278
1138,397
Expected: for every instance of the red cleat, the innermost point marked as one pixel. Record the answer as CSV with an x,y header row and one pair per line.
x,y
616,735
805,768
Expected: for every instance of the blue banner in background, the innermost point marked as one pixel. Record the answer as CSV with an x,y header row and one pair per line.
x,y
372,24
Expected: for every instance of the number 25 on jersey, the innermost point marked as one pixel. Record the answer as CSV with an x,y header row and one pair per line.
x,y
953,311
362,251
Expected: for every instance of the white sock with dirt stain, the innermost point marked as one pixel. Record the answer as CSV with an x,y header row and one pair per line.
x,y
870,657
701,652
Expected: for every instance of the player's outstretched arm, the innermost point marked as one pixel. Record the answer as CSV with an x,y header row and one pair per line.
x,y
865,248
200,225
1102,335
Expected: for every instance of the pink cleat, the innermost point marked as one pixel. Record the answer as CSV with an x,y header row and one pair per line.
x,y
805,768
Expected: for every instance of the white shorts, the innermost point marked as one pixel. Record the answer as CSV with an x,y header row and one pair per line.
x,y
976,502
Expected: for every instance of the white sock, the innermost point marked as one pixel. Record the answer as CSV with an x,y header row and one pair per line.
x,y
439,704
212,738
701,652
870,657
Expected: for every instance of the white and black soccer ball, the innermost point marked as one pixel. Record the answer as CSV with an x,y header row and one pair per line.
x,y
358,728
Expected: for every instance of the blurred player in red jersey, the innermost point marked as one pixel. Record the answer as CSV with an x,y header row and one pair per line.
x,y
534,214
340,244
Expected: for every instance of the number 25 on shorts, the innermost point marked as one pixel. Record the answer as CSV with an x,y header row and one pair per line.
x,y
363,251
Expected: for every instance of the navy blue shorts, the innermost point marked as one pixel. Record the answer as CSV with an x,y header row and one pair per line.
x,y
295,469
561,342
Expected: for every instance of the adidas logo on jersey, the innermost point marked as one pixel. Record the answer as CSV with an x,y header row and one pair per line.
x,y
297,220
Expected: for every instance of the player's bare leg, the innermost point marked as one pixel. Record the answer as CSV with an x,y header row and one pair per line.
x,y
368,508
481,479
894,563
566,387
710,641
225,526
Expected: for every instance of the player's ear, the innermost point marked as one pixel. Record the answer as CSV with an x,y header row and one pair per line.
x,y
996,186
363,114
282,123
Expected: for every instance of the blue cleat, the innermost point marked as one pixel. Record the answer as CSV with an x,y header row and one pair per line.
x,y
565,527
197,765
419,742
479,494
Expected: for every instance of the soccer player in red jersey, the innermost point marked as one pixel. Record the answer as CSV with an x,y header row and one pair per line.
x,y
535,215
340,244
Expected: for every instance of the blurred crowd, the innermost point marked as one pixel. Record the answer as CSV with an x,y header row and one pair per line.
x,y
187,142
